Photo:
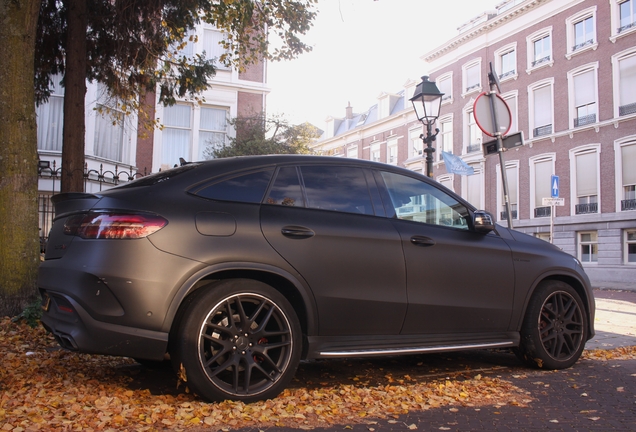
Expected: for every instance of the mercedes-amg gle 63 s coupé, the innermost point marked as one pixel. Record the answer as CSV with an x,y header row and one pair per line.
x,y
237,269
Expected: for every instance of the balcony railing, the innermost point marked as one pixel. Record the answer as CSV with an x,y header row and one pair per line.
x,y
585,120
586,208
542,130
507,74
542,212
627,109
470,148
537,62
626,27
583,44
629,204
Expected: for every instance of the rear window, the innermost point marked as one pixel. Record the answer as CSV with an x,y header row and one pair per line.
x,y
247,188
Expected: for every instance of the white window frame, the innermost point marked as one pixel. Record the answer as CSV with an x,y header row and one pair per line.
x,y
479,171
448,96
530,40
416,145
626,243
392,144
580,243
352,152
616,58
616,20
531,121
573,153
571,48
468,120
447,181
375,154
498,62
544,157
543,236
444,135
164,141
477,88
618,168
513,164
110,121
591,67
198,129
218,52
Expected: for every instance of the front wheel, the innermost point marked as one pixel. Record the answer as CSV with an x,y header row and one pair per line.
x,y
240,340
554,330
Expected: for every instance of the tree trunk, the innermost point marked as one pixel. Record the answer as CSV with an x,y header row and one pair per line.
x,y
74,131
19,244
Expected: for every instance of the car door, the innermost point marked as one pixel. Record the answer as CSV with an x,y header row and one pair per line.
x,y
329,232
458,280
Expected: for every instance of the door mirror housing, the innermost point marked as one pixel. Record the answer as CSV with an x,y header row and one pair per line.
x,y
483,221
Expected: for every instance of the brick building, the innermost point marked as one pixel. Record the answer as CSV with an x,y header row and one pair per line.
x,y
567,70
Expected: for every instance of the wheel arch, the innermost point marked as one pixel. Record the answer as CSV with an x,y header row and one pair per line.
x,y
576,283
293,288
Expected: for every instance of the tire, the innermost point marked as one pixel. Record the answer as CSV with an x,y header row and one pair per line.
x,y
239,339
555,326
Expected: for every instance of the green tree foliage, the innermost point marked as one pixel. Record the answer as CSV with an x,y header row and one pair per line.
x,y
133,46
261,136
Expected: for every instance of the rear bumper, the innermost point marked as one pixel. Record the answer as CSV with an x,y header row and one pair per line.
x,y
76,330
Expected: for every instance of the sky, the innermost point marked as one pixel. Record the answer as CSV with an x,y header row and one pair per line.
x,y
362,48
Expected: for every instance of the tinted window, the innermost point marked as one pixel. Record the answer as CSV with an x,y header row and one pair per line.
x,y
286,189
337,188
419,201
248,188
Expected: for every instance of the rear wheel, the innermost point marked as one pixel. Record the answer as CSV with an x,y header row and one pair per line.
x,y
240,340
554,329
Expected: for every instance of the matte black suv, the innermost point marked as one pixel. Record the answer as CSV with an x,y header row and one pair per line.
x,y
239,268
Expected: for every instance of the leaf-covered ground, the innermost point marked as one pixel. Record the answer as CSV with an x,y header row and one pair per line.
x,y
45,388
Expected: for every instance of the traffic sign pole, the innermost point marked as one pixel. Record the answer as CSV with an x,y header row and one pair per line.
x,y
494,83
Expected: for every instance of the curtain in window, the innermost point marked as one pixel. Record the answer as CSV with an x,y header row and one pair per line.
x,y
628,157
50,120
445,87
511,176
109,134
584,89
211,46
176,134
508,62
542,106
542,177
627,84
586,174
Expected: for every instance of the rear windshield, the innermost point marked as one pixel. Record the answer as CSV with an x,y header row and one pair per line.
x,y
160,176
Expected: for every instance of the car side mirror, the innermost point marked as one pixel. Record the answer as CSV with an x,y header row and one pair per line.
x,y
483,221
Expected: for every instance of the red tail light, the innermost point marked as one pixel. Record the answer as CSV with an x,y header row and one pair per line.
x,y
113,225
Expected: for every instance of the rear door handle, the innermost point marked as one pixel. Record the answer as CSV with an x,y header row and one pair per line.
x,y
422,241
297,232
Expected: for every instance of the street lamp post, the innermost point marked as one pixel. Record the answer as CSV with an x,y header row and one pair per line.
x,y
427,100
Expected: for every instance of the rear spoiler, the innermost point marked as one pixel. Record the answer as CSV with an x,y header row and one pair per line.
x,y
71,202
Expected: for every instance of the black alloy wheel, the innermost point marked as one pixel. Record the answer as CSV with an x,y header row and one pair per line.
x,y
239,340
554,331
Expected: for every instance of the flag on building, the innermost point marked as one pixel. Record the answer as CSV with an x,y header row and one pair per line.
x,y
456,165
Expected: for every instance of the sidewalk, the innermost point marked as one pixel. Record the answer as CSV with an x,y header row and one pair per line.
x,y
615,320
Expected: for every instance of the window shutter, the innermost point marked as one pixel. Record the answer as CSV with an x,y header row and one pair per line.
x,y
542,177
627,70
628,156
586,174
542,106
584,88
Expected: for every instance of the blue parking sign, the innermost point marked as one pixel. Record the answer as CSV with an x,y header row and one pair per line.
x,y
554,182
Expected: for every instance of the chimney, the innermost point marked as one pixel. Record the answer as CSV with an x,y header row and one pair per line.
x,y
349,111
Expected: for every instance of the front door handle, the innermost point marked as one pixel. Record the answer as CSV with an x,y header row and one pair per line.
x,y
422,241
297,232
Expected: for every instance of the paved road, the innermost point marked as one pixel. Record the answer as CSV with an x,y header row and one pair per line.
x,y
593,395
